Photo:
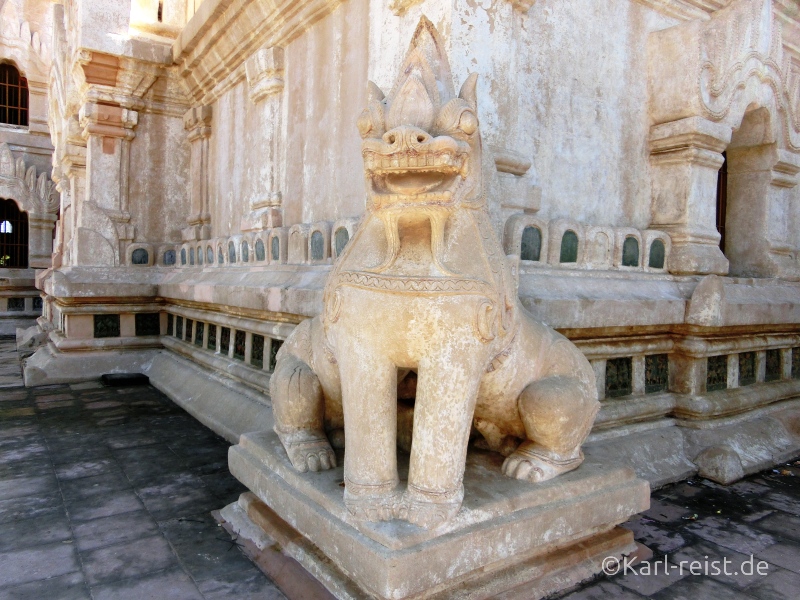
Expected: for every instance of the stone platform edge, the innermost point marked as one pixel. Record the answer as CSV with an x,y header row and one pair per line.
x,y
505,551
303,572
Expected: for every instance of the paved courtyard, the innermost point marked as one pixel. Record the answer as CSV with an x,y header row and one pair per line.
x,y
106,493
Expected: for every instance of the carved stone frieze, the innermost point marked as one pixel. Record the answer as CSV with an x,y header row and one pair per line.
x,y
34,191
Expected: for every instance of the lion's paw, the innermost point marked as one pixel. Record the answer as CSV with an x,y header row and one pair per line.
x,y
380,507
311,455
529,463
430,510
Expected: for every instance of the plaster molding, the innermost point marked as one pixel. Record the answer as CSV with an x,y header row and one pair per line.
x,y
223,34
784,172
128,82
508,161
108,121
264,70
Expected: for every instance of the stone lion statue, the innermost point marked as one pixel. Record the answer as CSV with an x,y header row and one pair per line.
x,y
424,288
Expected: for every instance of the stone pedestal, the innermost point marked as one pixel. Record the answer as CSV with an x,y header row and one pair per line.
x,y
509,535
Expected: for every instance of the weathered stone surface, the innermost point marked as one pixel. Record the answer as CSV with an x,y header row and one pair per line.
x,y
408,294
503,521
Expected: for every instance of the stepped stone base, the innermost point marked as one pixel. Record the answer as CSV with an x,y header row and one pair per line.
x,y
511,538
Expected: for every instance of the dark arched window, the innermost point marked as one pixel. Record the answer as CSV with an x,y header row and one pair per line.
x,y
276,248
317,246
140,257
630,252
569,247
245,252
260,253
531,245
13,96
340,239
657,253
13,235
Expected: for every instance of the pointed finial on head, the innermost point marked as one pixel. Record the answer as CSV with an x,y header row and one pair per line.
x,y
427,60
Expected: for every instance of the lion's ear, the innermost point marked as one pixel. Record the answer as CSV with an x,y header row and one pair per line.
x,y
374,93
469,91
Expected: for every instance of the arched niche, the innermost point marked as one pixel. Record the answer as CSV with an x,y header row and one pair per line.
x,y
760,193
34,194
725,85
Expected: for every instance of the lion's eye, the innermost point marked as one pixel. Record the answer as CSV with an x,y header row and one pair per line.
x,y
468,122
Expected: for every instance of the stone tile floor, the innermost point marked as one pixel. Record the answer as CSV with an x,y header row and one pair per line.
x,y
756,519
106,493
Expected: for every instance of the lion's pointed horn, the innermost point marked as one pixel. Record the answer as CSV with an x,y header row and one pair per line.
x,y
469,91
374,93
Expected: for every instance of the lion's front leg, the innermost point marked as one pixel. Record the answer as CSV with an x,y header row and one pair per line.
x,y
369,397
443,413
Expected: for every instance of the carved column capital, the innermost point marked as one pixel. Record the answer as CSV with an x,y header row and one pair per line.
x,y
107,121
692,132
264,71
197,121
784,172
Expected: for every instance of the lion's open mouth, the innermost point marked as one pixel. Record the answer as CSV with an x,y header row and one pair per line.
x,y
415,177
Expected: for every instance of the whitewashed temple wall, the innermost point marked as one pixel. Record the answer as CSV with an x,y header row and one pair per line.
x,y
159,178
554,87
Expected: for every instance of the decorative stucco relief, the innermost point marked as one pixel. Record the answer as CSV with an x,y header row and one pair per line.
x,y
16,33
743,53
686,10
745,56
34,192
210,57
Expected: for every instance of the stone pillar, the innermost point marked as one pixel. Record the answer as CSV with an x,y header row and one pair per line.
x,y
40,239
72,186
103,219
197,121
685,157
265,77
